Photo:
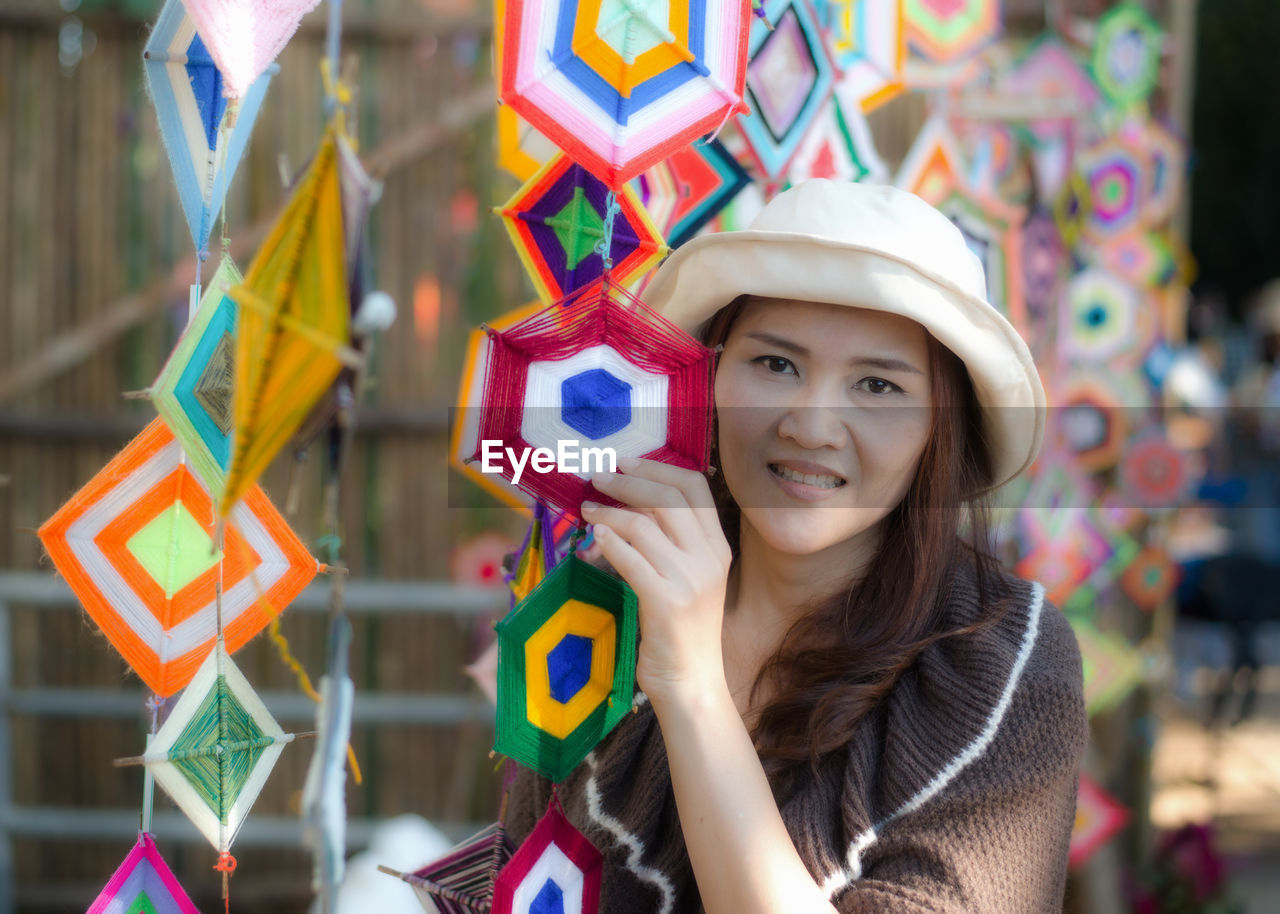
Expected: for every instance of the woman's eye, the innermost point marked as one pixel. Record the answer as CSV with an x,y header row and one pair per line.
x,y
775,364
878,386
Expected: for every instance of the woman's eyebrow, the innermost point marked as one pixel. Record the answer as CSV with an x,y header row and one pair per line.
x,y
880,362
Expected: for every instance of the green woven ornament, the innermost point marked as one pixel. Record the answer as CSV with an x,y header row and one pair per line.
x,y
566,667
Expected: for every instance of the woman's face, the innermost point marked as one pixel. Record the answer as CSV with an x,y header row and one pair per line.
x,y
823,413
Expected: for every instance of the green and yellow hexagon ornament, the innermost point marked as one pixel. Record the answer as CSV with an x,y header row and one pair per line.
x,y
566,667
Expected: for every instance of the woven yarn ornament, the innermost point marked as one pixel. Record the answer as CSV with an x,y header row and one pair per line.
x,y
214,752
1145,259
933,166
839,146
244,36
1099,816
522,149
1167,152
1117,173
193,391
1126,54
789,78
993,231
566,667
143,884
461,882
600,373
1112,669
204,143
556,870
1151,578
559,217
620,86
946,31
707,178
294,317
1153,473
867,45
1044,261
1093,421
536,556
136,545
1101,320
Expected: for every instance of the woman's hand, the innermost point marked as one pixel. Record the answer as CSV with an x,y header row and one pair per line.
x,y
668,545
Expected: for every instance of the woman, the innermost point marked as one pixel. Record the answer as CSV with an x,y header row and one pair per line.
x,y
842,705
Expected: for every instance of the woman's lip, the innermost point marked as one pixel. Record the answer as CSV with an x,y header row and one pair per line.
x,y
799,489
805,468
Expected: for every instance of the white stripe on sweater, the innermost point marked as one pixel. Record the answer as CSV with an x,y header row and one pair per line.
x,y
633,844
853,868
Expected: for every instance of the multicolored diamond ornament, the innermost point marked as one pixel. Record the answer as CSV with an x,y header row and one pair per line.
x,y
136,544
143,884
214,752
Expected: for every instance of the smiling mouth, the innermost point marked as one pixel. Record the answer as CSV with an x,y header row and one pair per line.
x,y
817,481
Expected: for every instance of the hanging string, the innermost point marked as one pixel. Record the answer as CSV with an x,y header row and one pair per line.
x,y
154,703
604,247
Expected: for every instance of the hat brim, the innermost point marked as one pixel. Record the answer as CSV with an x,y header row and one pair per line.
x,y
707,273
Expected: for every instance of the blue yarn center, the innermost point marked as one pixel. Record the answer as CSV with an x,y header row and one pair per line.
x,y
206,86
569,667
549,900
595,403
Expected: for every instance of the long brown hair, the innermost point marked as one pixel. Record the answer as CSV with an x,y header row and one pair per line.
x,y
844,655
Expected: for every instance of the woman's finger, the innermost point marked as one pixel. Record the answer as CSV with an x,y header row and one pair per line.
x,y
641,531
692,485
629,562
666,504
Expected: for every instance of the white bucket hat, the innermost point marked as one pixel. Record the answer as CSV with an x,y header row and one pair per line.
x,y
876,247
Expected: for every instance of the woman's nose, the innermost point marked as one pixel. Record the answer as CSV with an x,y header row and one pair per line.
x,y
812,422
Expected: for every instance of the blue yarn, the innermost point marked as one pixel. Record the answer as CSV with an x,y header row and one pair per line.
x,y
223,322
206,85
549,900
569,667
595,403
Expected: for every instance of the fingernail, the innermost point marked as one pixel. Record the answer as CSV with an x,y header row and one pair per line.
x,y
628,463
602,532
597,478
589,506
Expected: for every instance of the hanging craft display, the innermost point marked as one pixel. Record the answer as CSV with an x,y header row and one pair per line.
x,y
1167,154
1101,319
1112,669
193,391
143,884
934,167
789,78
522,148
867,44
536,556
657,191
946,31
566,667
707,179
1117,175
1093,421
294,317
214,752
1151,578
1043,267
136,545
605,373
555,869
619,87
204,143
244,36
558,219
1098,817
465,435
1145,259
1154,474
993,231
1126,54
838,146
461,882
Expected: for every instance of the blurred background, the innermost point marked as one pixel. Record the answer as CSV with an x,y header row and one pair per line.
x,y
1115,165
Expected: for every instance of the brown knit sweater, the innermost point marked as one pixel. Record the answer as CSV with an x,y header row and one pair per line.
x,y
958,795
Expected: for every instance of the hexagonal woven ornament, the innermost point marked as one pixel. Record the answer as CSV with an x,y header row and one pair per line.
x,y
566,667
585,379
555,871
